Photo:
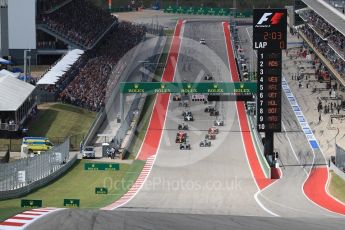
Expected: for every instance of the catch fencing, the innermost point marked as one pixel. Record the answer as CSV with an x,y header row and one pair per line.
x,y
339,157
23,172
137,104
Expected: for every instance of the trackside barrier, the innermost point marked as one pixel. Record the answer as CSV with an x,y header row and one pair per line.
x,y
119,73
336,170
256,137
25,175
339,157
258,145
132,118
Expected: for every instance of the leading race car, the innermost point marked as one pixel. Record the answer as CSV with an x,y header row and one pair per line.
x,y
208,77
213,130
210,136
205,143
218,122
177,97
183,126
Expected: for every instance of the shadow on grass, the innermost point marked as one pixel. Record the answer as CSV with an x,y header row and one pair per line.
x,y
70,108
40,125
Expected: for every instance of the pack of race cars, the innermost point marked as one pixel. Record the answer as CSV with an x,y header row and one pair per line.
x,y
182,137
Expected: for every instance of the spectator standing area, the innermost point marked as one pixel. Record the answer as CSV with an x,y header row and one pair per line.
x,y
17,103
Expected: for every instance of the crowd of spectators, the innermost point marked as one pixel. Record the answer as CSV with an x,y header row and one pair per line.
x,y
322,46
80,20
326,39
46,5
86,82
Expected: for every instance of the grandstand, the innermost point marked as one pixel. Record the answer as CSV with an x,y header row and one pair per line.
x,y
50,28
323,26
55,27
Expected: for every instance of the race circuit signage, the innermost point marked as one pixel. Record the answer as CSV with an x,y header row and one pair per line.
x,y
269,91
269,29
185,87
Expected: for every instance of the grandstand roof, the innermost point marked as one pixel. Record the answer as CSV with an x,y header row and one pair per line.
x,y
13,93
61,67
329,13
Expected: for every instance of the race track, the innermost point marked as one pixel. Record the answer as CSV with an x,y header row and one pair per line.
x,y
214,180
211,188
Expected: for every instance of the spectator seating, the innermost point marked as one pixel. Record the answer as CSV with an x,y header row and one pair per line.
x,y
86,81
80,21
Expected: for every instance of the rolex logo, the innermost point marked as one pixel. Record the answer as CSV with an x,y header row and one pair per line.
x,y
31,203
241,86
215,86
136,86
189,86
162,86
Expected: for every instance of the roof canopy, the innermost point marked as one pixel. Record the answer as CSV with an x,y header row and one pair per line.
x,y
54,74
334,17
13,93
5,72
4,61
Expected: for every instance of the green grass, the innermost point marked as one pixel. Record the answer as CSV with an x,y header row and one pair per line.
x,y
57,121
337,187
80,184
61,120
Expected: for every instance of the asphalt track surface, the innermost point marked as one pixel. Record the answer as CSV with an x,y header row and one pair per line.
x,y
161,205
214,180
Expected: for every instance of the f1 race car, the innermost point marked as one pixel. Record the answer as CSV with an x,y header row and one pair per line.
x,y
183,126
186,112
188,117
208,77
184,146
205,143
202,41
218,122
177,97
213,130
209,109
184,103
214,113
181,137
210,136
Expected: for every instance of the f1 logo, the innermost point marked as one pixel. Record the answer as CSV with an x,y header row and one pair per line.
x,y
274,20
